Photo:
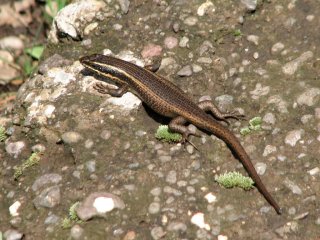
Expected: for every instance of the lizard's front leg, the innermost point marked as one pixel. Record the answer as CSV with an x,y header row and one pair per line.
x,y
104,89
208,106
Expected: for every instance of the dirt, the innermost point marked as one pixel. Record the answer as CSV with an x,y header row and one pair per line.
x,y
131,162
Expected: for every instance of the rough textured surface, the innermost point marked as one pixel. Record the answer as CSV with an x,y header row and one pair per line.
x,y
264,55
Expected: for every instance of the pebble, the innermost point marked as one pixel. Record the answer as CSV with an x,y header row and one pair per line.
x,y
170,190
190,149
71,137
47,179
177,227
268,150
250,5
259,91
198,220
48,198
157,233
11,43
196,165
124,5
277,47
52,219
211,198
293,137
191,190
289,227
205,47
91,166
170,42
191,21
166,158
281,105
76,232
15,148
98,204
314,171
306,118
105,134
12,235
254,39
196,68
186,71
176,27
151,50
222,237
205,8
224,101
293,187
269,118
205,60
260,168
182,183
156,191
184,42
13,209
154,208
310,18
7,72
131,235
291,67
38,148
309,97
171,177
76,174
117,26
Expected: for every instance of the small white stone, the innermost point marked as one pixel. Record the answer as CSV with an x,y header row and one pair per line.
x,y
310,18
314,171
293,137
198,219
277,47
184,42
13,209
260,168
291,67
222,237
103,204
191,21
205,7
309,97
210,197
268,150
254,39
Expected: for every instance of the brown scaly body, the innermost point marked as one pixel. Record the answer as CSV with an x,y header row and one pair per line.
x,y
167,99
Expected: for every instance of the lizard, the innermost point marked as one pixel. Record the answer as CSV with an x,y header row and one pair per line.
x,y
167,99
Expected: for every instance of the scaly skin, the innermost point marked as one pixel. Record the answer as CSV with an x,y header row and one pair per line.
x,y
167,99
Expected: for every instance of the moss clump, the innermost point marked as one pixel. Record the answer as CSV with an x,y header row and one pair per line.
x,y
31,161
235,179
165,135
72,218
254,125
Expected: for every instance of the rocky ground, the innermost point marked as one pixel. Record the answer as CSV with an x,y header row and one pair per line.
x,y
65,146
